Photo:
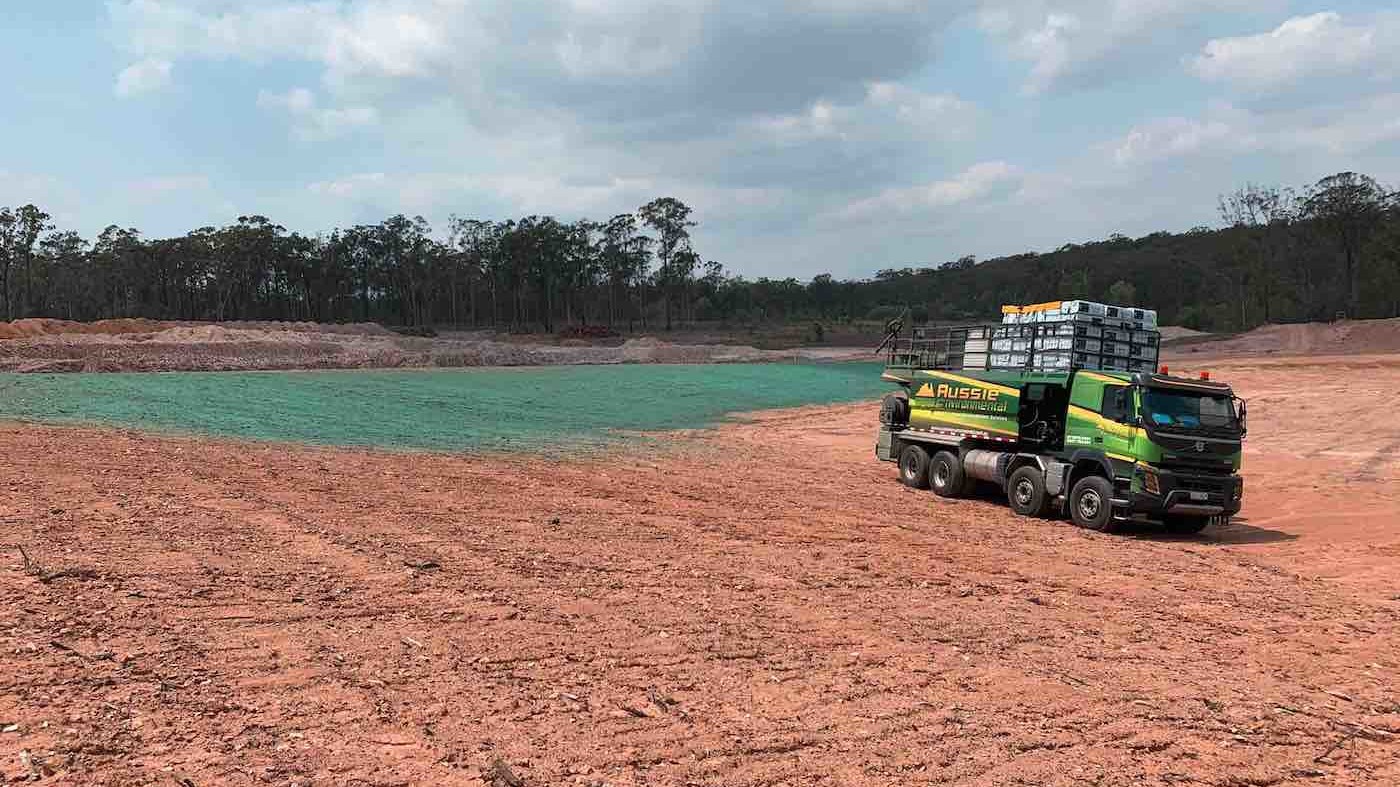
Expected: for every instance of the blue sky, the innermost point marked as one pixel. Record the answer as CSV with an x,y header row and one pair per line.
x,y
811,136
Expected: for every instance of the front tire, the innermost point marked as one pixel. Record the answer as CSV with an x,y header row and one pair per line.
x,y
946,476
1025,491
913,467
1091,504
1185,525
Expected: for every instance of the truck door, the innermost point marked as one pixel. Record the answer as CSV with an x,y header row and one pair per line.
x,y
1119,425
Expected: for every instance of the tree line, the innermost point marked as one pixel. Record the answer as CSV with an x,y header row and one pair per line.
x,y
524,273
1280,254
1328,250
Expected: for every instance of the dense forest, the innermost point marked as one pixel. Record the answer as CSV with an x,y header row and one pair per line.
x,y
1332,248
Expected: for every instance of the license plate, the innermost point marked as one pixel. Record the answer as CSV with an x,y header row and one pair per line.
x,y
1201,496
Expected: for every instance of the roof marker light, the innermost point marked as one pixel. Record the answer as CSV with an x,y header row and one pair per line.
x,y
1165,370
1205,375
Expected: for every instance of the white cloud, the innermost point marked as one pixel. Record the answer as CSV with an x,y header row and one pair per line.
x,y
144,76
785,125
583,53
1304,48
523,194
944,113
1171,137
1069,42
313,122
611,40
1341,131
888,110
974,183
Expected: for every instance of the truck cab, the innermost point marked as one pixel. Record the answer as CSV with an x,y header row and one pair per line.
x,y
1170,445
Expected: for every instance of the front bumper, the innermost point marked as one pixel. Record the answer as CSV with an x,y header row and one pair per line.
x,y
1184,493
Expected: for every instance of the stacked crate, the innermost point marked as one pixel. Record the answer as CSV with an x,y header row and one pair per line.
x,y
1063,335
948,347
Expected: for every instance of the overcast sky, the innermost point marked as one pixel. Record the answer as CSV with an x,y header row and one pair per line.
x,y
836,136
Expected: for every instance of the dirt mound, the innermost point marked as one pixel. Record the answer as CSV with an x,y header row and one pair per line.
x,y
1348,337
1172,333
32,327
36,326
145,345
348,329
206,333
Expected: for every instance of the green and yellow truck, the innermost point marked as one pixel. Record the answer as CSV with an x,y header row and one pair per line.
x,y
1105,447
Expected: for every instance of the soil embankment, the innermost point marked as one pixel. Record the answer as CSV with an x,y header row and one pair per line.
x,y
1346,337
758,604
148,346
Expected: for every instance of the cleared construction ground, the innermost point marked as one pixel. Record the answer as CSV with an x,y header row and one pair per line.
x,y
757,604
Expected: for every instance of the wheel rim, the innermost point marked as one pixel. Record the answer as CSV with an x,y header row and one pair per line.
x,y
940,474
908,465
1025,490
1090,504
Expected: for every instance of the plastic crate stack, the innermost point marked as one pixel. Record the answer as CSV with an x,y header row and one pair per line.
x,y
950,347
1062,335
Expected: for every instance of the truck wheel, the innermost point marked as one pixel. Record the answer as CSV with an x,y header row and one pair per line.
x,y
913,467
1026,492
1185,525
1090,504
894,410
946,475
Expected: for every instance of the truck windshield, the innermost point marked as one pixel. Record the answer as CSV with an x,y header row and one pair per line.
x,y
1187,410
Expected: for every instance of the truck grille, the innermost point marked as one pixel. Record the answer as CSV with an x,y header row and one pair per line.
x,y
1197,483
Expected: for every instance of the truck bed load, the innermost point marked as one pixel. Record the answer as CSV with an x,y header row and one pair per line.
x,y
1050,337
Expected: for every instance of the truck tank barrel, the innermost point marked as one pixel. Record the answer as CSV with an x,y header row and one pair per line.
x,y
986,465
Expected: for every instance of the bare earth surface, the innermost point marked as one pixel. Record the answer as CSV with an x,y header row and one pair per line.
x,y
137,345
758,604
40,345
1346,337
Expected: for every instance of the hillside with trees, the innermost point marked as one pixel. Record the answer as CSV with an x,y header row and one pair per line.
x,y
1278,255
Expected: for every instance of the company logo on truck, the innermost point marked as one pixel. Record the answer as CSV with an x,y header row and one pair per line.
x,y
963,397
945,391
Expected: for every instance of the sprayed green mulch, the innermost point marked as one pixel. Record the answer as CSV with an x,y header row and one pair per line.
x,y
529,409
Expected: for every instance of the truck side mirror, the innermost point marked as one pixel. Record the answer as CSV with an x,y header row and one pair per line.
x,y
1243,415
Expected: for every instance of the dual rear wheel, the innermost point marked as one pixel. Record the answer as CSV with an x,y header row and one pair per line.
x,y
942,472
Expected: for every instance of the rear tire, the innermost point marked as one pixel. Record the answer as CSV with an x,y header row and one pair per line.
x,y
1185,525
946,476
1090,504
913,467
1025,491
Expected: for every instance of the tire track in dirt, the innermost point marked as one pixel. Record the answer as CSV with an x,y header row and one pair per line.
x,y
758,604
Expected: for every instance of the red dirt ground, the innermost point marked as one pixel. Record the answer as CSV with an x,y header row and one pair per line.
x,y
759,604
1345,337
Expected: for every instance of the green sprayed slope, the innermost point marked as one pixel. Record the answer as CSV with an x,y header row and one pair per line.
x,y
487,409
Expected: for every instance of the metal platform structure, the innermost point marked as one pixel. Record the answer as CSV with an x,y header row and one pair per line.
x,y
1042,347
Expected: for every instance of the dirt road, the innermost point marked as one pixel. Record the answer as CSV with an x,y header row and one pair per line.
x,y
760,604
